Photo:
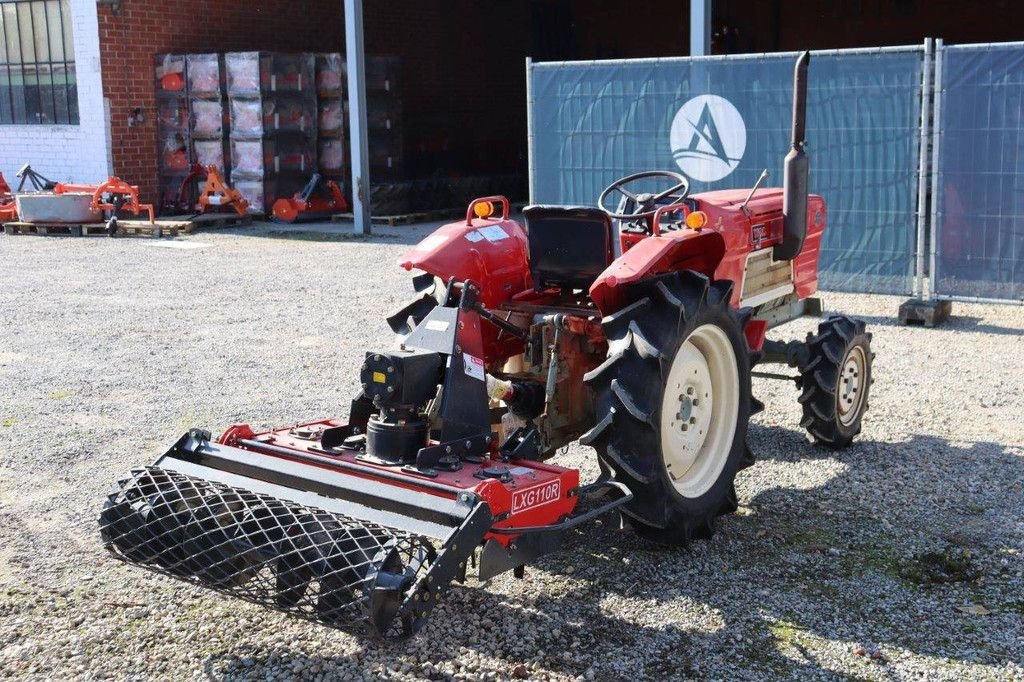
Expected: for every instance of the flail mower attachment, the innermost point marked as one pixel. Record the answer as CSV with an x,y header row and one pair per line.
x,y
359,524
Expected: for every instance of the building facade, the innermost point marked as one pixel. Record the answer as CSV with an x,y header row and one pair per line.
x,y
77,94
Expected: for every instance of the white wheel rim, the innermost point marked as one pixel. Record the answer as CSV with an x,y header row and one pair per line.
x,y
698,411
850,391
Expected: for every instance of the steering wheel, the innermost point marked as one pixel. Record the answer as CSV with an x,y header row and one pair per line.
x,y
646,204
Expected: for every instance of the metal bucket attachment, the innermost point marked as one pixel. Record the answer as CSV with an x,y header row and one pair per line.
x,y
316,563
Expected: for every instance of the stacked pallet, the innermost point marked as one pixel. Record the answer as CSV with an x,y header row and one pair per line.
x,y
273,115
332,119
173,226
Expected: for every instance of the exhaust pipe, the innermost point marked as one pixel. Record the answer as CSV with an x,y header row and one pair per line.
x,y
795,169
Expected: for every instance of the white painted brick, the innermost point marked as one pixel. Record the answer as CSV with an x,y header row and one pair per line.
x,y
68,153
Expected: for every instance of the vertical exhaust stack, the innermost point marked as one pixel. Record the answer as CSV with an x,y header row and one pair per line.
x,y
795,169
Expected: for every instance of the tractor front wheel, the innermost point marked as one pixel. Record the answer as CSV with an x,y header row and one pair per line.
x,y
673,401
835,381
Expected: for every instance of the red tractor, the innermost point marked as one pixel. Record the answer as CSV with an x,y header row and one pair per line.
x,y
633,330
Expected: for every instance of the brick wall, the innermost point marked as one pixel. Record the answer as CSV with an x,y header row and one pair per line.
x,y
143,28
65,152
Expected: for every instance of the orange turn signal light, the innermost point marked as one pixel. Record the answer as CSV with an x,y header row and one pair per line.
x,y
696,220
483,209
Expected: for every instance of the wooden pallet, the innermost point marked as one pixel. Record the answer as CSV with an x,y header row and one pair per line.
x,y
134,228
402,219
206,221
411,218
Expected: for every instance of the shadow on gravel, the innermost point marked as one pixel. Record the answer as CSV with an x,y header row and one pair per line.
x,y
336,232
913,547
596,640
881,559
956,323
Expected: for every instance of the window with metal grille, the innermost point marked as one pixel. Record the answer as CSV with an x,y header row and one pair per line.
x,y
37,63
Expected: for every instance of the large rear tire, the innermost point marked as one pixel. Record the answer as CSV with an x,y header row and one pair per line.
x,y
673,402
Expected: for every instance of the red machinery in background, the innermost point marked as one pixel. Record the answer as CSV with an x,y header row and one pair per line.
x,y
113,195
215,194
8,209
318,200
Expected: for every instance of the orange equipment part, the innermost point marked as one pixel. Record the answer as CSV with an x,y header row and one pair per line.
x,y
116,188
216,192
318,200
8,207
172,82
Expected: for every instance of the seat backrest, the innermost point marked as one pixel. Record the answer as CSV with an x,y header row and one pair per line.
x,y
569,245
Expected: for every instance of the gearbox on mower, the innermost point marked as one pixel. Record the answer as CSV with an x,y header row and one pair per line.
x,y
633,330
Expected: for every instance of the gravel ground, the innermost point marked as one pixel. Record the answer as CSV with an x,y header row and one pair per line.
x,y
901,557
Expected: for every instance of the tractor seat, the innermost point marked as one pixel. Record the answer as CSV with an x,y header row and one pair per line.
x,y
569,245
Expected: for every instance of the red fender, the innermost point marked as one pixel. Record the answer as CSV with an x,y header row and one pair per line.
x,y
491,253
682,250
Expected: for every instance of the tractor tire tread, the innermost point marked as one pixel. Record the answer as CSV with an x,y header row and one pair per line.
x,y
628,389
819,379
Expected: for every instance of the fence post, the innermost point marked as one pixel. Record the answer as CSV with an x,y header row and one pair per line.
x,y
927,309
922,168
362,195
936,170
529,129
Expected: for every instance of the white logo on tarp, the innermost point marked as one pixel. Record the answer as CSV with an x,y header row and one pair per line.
x,y
708,138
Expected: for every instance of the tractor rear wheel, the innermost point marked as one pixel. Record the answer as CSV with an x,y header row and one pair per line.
x,y
835,381
673,401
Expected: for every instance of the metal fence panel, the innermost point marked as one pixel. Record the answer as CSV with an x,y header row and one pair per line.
x,y
979,223
721,120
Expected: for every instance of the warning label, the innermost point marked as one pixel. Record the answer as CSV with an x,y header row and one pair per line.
x,y
474,366
493,233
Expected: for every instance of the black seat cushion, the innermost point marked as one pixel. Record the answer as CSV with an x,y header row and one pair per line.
x,y
569,245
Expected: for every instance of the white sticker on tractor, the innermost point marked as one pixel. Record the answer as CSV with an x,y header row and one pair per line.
x,y
474,366
474,237
493,233
536,496
437,325
432,242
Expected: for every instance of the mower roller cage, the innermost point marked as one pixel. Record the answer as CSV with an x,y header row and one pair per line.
x,y
349,553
